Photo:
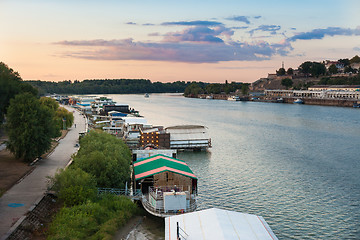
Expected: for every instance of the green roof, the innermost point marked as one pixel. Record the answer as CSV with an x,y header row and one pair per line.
x,y
160,163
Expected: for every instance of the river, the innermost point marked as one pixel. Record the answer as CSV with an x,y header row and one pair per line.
x,y
298,166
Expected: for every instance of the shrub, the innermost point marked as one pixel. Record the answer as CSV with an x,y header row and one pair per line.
x,y
92,220
106,158
74,186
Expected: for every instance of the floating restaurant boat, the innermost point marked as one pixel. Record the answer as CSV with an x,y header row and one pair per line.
x,y
299,101
189,137
233,98
168,185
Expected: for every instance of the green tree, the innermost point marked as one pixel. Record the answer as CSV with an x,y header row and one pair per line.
x,y
281,72
29,126
10,85
355,59
305,67
74,186
193,90
318,69
314,68
63,114
287,82
345,61
50,103
333,69
290,71
106,158
349,69
245,89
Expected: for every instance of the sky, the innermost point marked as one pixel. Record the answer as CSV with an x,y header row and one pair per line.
x,y
167,41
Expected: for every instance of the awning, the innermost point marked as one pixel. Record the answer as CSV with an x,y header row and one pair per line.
x,y
160,163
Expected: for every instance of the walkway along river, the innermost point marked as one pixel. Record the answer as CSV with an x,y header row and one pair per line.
x,y
17,201
298,166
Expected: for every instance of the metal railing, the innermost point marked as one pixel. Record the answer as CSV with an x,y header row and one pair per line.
x,y
118,191
160,211
157,192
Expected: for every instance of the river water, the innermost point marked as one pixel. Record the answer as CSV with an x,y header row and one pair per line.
x,y
298,166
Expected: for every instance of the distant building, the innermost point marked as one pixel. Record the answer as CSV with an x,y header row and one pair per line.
x,y
355,66
124,108
335,88
155,136
315,94
340,66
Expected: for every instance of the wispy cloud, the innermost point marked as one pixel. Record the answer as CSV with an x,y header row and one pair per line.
x,y
272,29
192,23
243,19
320,33
244,27
191,52
200,34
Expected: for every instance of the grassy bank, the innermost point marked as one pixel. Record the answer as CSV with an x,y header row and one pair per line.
x,y
102,161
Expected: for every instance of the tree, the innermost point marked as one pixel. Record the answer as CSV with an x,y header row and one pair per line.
x,y
193,90
290,71
281,72
349,69
10,85
74,186
355,59
287,82
29,126
51,103
305,67
314,68
333,69
106,158
317,69
63,114
345,61
245,89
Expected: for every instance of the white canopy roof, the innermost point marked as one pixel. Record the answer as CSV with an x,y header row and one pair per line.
x,y
218,224
134,120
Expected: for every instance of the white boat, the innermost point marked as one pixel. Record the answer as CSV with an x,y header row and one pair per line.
x,y
209,97
299,101
146,95
233,98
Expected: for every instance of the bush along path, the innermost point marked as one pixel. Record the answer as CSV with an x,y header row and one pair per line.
x,y
102,161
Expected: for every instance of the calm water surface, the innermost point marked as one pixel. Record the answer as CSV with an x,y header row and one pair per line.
x,y
298,166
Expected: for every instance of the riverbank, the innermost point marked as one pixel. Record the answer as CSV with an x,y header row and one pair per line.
x,y
309,101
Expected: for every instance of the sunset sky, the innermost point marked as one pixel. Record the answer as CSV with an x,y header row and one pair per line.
x,y
210,41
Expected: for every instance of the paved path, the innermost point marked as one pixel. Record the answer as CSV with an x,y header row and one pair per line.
x,y
2,146
16,201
